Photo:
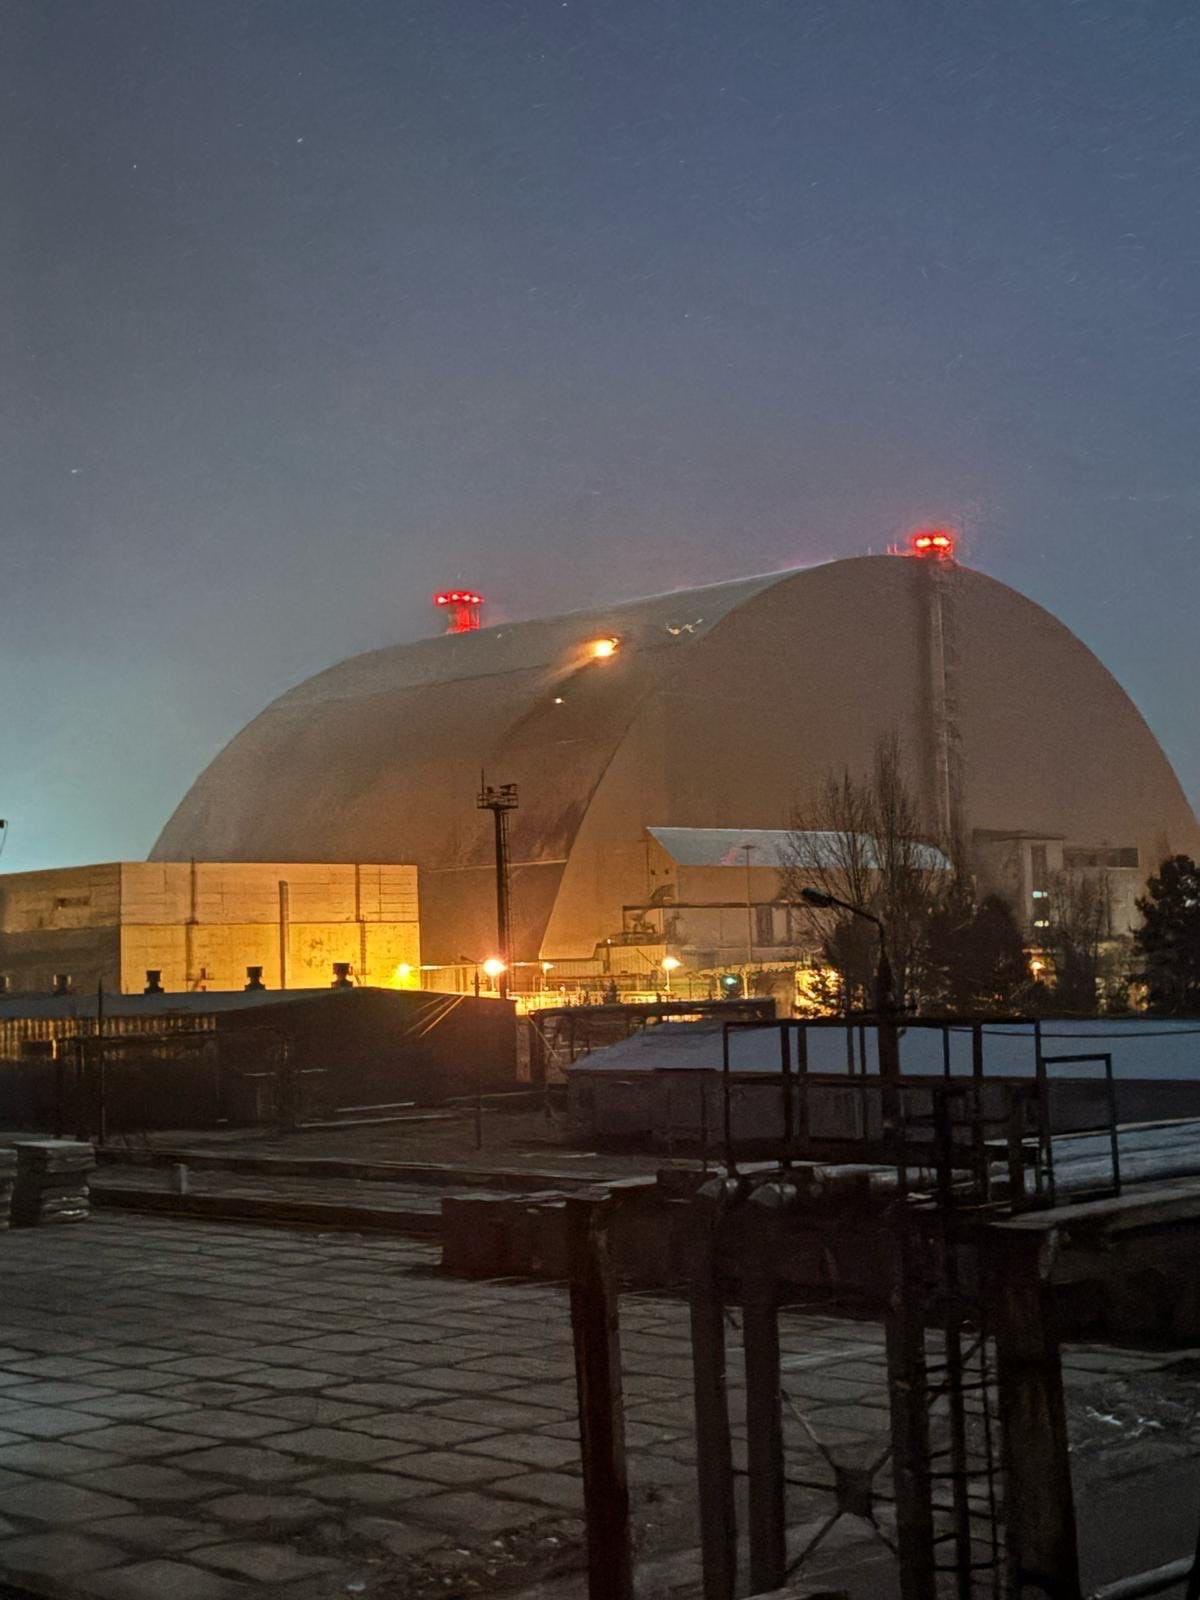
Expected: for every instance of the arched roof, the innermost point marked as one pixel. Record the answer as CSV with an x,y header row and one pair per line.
x,y
719,706
382,753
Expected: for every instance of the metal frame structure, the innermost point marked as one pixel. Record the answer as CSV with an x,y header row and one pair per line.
x,y
939,1216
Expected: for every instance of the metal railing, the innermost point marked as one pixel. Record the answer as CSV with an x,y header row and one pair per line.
x,y
867,1114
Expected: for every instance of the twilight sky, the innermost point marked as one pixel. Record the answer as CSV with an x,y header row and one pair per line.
x,y
313,306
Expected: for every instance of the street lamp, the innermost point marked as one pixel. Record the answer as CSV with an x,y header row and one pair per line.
x,y
669,965
884,985
885,999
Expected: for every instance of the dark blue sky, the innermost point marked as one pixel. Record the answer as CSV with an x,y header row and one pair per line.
x,y
316,305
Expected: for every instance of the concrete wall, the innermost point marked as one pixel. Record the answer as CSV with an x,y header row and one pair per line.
x,y
203,924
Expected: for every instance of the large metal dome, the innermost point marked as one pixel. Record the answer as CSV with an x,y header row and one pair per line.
x,y
720,706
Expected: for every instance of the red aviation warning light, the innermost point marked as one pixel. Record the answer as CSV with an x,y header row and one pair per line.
x,y
935,543
463,608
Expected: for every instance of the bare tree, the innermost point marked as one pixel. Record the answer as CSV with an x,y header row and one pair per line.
x,y
863,841
1079,913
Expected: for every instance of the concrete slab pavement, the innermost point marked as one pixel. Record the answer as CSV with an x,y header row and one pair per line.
x,y
219,1412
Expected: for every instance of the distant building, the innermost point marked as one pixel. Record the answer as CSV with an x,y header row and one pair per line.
x,y
200,925
715,896
705,709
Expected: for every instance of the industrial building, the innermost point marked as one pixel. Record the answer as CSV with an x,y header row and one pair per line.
x,y
704,709
124,1064
199,925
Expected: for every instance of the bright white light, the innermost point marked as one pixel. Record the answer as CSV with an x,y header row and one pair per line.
x,y
669,963
601,648
493,966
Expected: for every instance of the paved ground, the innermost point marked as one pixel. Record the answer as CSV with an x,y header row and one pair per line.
x,y
209,1412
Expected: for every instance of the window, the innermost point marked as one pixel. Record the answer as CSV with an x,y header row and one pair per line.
x,y
764,925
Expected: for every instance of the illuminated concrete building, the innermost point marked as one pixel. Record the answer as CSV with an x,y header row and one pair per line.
x,y
710,708
201,924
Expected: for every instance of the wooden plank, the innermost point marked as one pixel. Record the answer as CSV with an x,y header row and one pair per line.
x,y
595,1327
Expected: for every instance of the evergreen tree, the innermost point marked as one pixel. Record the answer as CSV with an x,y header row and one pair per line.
x,y
979,956
1168,942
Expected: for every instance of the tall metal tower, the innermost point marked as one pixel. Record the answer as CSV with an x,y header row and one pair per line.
x,y
500,801
934,547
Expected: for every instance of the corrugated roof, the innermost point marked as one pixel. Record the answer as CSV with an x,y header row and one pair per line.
x,y
773,847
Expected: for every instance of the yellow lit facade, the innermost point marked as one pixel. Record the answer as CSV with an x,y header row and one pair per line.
x,y
201,924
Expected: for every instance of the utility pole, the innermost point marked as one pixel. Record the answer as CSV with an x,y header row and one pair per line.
x,y
749,926
500,801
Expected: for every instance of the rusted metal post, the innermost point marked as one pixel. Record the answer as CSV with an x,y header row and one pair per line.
x,y
952,1330
1043,1559
764,1429
101,1112
908,1392
714,1449
1015,1127
79,1110
60,1090
595,1325
800,1142
785,1069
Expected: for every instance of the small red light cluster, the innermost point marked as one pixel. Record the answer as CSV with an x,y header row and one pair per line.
x,y
458,597
932,542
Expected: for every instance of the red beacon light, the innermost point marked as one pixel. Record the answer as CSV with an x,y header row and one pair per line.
x,y
463,606
935,543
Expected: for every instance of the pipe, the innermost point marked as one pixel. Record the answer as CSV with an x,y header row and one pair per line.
x,y
1156,1581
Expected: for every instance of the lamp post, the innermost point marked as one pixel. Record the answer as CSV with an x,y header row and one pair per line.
x,y
885,991
884,983
500,801
748,848
669,964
